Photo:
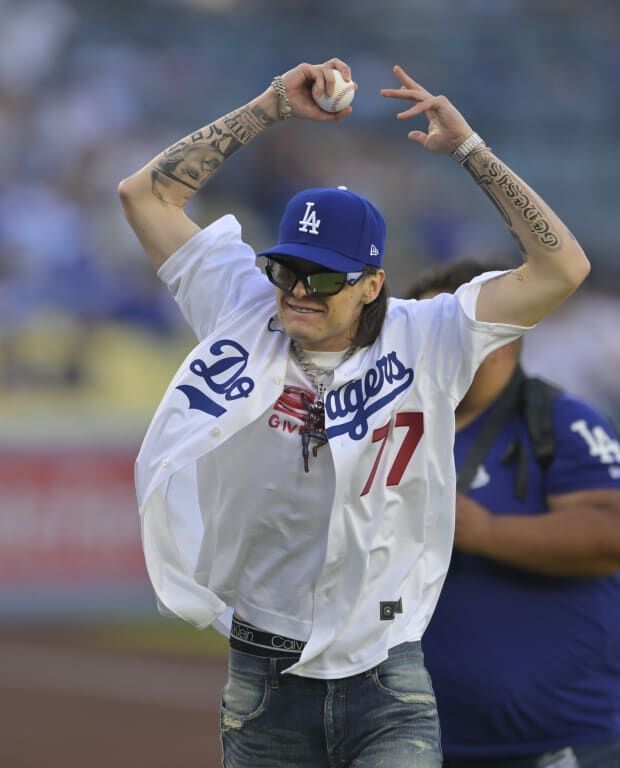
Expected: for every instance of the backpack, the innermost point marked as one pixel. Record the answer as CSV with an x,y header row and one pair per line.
x,y
533,397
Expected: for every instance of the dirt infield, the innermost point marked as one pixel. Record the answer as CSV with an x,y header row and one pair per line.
x,y
67,701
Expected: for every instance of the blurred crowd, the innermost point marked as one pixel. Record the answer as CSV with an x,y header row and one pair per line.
x,y
91,89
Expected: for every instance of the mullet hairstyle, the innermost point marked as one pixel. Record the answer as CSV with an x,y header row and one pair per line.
x,y
372,316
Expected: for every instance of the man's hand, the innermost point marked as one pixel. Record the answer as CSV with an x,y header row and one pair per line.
x,y
473,523
305,79
447,128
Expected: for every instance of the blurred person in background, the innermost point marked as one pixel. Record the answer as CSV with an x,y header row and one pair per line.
x,y
524,646
331,577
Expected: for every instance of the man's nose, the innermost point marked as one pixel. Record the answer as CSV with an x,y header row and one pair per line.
x,y
299,289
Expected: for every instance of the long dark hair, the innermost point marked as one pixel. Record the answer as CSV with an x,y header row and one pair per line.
x,y
372,317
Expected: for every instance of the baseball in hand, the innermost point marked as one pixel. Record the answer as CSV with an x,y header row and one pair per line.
x,y
342,96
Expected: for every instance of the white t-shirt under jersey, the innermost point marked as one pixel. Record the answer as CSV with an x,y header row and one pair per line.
x,y
268,569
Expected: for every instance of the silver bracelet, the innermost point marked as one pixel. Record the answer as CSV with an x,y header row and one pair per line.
x,y
284,108
462,152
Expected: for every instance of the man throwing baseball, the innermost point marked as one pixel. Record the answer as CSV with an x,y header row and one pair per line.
x,y
296,485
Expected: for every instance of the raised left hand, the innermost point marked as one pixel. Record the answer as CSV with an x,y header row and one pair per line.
x,y
447,128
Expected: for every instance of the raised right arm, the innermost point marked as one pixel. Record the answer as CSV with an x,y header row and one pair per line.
x,y
554,264
154,197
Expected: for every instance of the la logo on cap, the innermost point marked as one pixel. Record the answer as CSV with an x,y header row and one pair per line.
x,y
310,223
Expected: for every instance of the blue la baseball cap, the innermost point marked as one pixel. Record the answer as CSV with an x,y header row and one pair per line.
x,y
332,227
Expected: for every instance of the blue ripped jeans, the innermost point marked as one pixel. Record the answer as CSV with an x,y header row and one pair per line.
x,y
385,716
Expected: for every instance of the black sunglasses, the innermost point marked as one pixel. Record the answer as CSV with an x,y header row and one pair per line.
x,y
315,283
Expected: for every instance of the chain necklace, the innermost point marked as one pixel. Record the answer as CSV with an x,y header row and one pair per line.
x,y
314,420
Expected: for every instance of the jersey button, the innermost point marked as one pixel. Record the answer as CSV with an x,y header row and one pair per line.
x,y
215,432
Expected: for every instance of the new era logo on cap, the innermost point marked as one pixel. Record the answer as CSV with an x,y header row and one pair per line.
x,y
332,227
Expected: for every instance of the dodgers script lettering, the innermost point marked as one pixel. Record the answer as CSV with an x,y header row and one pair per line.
x,y
363,397
223,376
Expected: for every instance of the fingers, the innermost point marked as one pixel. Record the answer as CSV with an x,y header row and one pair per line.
x,y
323,76
427,105
406,94
409,82
341,66
422,107
410,90
425,102
319,86
418,136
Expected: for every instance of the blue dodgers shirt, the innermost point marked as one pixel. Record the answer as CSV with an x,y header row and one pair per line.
x,y
524,663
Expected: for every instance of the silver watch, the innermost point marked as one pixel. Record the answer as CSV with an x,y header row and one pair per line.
x,y
462,152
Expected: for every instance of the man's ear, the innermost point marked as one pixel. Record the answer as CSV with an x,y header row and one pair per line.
x,y
372,286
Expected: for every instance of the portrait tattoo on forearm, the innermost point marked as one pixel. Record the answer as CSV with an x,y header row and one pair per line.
x,y
193,160
501,187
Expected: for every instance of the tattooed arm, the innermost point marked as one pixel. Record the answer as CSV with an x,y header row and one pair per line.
x,y
154,197
554,264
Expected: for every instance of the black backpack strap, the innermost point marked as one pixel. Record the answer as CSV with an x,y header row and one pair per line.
x,y
533,397
537,405
507,402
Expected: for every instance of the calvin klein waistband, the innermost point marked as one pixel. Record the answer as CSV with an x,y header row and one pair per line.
x,y
249,639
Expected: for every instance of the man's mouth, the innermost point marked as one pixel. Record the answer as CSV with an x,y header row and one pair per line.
x,y
301,309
